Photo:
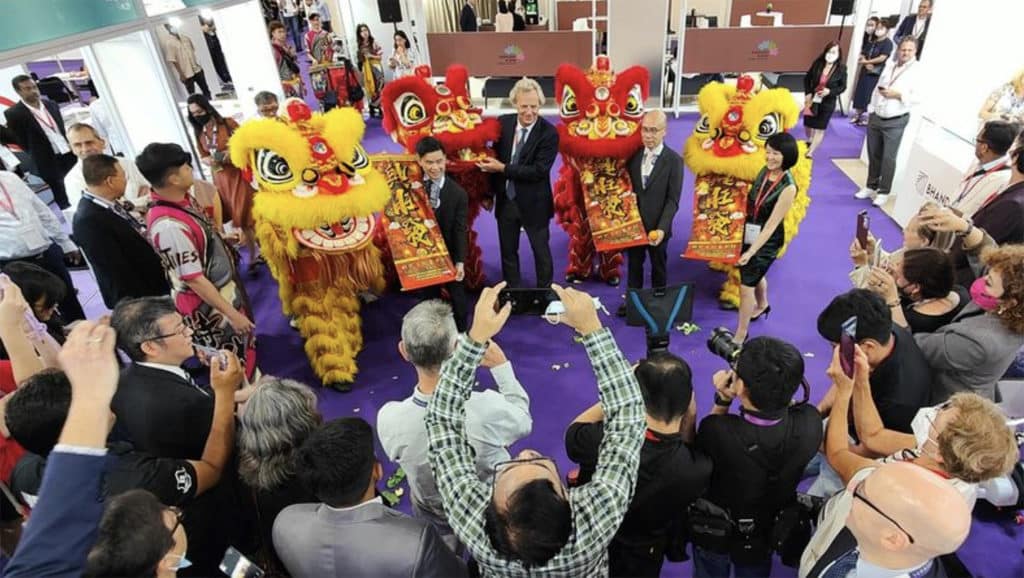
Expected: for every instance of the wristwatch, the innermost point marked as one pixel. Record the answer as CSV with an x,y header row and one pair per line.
x,y
721,401
970,228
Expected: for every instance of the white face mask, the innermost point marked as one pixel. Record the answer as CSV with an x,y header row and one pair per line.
x,y
831,56
880,32
922,426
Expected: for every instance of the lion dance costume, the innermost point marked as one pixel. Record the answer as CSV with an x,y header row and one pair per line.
x,y
315,222
729,142
600,130
413,108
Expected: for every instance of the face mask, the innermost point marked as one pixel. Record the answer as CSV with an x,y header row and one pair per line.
x,y
869,30
981,297
831,57
880,32
922,425
201,118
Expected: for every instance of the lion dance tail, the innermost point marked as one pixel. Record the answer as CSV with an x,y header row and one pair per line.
x,y
329,322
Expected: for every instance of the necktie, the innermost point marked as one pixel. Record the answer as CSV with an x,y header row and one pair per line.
x,y
517,147
842,566
433,194
648,167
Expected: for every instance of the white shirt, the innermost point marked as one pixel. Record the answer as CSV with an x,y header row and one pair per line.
x,y
919,26
494,421
288,8
137,191
976,189
904,79
650,157
46,122
165,367
27,227
99,115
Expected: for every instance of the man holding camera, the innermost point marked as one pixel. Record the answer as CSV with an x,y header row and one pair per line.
x,y
758,456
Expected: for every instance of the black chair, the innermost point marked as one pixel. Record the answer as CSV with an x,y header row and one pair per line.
x,y
54,89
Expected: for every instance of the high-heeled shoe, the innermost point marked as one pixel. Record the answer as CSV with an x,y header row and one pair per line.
x,y
767,311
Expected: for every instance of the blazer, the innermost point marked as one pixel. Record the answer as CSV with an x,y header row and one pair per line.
x,y
1002,219
970,354
531,172
453,218
659,201
907,29
160,413
836,83
124,262
316,541
31,136
467,19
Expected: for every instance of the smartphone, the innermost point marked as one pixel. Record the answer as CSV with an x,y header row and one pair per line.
x,y
863,223
212,354
236,565
526,301
847,344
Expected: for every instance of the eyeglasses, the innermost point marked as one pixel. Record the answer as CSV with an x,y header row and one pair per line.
x,y
181,330
179,517
651,129
858,494
501,468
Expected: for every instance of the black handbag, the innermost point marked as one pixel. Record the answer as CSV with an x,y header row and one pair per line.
x,y
710,526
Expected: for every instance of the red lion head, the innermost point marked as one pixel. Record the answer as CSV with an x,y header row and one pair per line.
x,y
414,108
601,111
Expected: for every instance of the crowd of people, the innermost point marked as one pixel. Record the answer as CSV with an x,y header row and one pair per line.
x,y
134,460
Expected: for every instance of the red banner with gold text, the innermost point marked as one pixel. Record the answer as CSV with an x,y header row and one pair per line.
x,y
719,212
417,247
612,211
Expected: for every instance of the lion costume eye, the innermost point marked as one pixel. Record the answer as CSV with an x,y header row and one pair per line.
x,y
569,106
359,159
703,125
272,167
410,109
768,126
634,102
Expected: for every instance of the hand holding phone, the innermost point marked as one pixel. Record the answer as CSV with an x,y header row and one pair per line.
x,y
211,355
847,346
863,224
236,565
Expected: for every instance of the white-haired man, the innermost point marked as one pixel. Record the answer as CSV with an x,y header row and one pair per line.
x,y
521,182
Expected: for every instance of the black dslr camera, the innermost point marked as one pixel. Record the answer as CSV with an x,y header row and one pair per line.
x,y
722,344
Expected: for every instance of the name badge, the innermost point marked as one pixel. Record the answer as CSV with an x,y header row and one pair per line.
x,y
750,233
817,98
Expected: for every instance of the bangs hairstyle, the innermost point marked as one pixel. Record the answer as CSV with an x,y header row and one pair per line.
x,y
785,143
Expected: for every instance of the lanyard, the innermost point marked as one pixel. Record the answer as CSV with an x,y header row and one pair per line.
x,y
896,75
762,195
7,203
46,120
967,189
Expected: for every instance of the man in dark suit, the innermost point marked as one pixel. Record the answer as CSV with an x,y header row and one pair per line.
x,y
467,19
39,128
521,182
159,409
112,238
451,209
656,172
916,25
342,535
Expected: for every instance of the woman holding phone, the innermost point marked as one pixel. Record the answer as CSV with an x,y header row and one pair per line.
x,y
770,198
919,287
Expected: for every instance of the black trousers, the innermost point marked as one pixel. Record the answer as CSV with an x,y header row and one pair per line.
x,y
635,267
510,223
457,298
636,560
200,79
53,174
52,260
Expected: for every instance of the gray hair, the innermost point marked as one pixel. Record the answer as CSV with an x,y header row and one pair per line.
x,y
84,126
526,84
264,97
136,322
428,332
279,416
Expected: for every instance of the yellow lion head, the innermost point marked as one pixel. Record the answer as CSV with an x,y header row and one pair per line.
x,y
314,178
735,122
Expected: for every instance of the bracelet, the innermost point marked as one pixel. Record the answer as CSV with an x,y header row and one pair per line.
x,y
970,229
721,401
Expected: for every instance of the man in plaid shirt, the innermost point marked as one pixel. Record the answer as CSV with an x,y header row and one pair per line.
x,y
525,522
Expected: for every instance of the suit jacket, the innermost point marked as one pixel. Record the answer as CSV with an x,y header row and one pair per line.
x,y
316,541
160,413
124,262
835,84
452,218
659,201
531,172
1002,219
907,29
467,20
31,136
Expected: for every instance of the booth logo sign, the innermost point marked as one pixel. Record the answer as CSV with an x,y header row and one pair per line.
x,y
765,48
925,188
512,55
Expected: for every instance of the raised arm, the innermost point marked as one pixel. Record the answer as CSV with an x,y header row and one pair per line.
x,y
837,445
868,421
221,439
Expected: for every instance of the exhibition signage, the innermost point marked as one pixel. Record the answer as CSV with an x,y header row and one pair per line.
x,y
27,22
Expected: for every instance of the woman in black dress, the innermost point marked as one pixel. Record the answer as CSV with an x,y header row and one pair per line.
x,y
823,84
769,200
873,54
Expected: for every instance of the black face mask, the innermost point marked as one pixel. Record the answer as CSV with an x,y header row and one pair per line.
x,y
202,119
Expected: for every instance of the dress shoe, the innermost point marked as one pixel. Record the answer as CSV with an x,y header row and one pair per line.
x,y
573,279
614,282
621,311
764,313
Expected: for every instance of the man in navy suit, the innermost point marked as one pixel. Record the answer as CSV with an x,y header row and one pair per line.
x,y
916,25
467,19
521,181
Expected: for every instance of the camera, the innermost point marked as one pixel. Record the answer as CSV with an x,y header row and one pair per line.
x,y
722,344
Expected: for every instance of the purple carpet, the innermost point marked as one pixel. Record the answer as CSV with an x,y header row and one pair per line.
x,y
801,284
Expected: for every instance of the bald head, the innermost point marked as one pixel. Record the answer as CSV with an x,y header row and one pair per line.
x,y
910,501
652,128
